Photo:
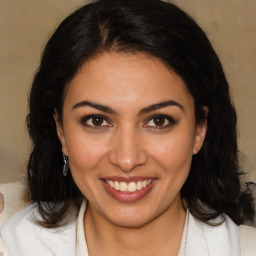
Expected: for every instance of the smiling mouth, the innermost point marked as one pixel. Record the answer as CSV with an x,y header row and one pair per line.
x,y
128,187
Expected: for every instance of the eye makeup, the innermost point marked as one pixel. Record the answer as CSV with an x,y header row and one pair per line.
x,y
160,121
95,121
156,121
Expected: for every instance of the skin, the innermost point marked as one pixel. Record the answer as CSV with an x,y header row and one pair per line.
x,y
130,143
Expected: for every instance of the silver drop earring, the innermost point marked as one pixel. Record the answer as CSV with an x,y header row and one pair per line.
x,y
66,165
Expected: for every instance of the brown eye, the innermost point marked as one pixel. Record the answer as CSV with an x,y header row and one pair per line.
x,y
159,120
97,121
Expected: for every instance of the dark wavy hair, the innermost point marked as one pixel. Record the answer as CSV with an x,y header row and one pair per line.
x,y
161,30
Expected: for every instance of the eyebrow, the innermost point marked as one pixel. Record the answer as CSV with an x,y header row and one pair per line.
x,y
161,105
145,110
94,105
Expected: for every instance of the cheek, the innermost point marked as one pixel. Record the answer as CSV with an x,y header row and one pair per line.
x,y
84,152
85,155
175,152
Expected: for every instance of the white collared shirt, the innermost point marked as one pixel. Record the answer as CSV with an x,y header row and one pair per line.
x,y
81,246
22,237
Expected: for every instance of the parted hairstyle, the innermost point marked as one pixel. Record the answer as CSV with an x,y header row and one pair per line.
x,y
158,29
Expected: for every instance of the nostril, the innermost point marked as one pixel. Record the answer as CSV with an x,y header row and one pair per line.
x,y
127,152
128,165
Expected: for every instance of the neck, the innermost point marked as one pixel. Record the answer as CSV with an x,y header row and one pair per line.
x,y
162,236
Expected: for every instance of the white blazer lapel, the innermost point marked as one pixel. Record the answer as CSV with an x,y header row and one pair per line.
x,y
205,240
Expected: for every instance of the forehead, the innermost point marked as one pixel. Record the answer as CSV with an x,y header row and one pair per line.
x,y
120,79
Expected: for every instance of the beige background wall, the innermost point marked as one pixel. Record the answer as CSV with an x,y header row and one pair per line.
x,y
25,26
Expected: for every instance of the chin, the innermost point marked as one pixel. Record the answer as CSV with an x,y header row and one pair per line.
x,y
130,222
130,218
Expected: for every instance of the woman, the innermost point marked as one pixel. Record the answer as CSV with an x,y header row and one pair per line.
x,y
130,109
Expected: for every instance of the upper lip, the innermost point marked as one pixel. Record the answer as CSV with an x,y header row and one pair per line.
x,y
127,179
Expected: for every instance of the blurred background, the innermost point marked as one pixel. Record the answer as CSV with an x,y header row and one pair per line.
x,y
25,26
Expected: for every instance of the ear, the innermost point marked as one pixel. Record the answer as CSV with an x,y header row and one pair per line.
x,y
60,132
200,132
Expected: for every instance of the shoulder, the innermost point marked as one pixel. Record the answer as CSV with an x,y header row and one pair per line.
x,y
13,228
22,236
247,236
224,239
22,217
221,238
3,248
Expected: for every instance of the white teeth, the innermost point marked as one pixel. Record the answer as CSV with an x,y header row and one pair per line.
x,y
132,187
139,185
111,183
116,185
128,187
144,183
123,186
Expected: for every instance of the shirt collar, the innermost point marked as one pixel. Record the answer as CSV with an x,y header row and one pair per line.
x,y
81,246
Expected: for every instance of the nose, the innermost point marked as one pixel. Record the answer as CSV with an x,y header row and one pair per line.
x,y
127,150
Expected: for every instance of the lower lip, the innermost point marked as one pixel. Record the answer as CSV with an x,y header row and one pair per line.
x,y
128,197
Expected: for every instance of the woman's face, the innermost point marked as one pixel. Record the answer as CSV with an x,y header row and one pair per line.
x,y
129,132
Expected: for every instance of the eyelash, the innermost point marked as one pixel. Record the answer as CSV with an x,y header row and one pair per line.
x,y
171,121
85,119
